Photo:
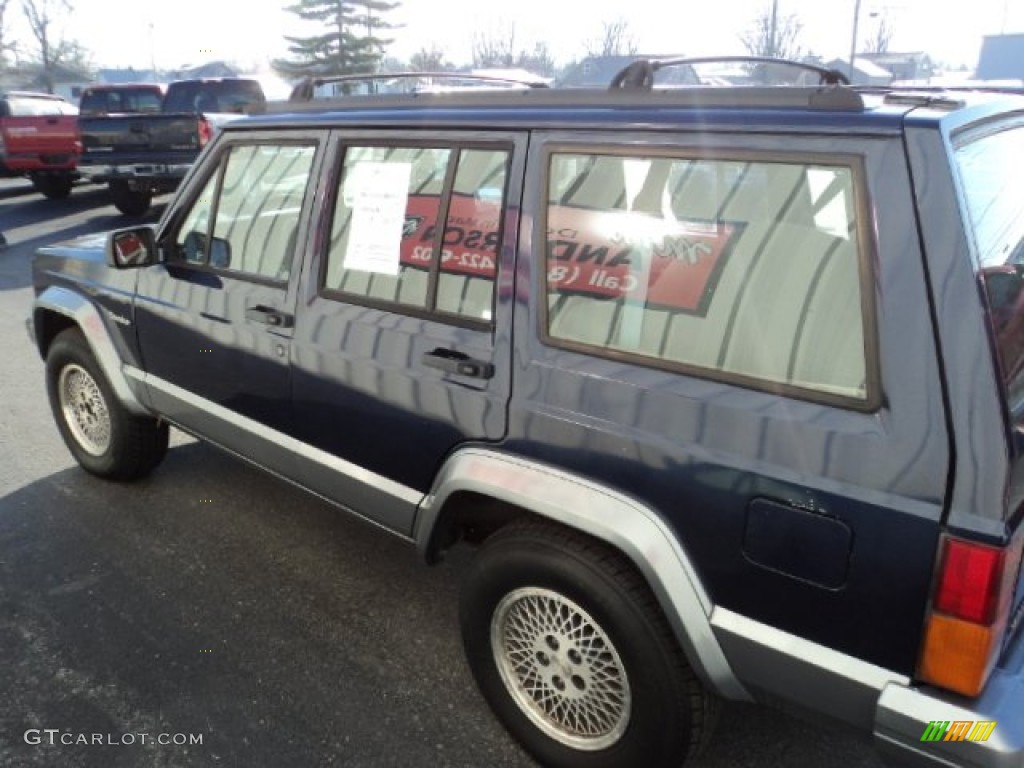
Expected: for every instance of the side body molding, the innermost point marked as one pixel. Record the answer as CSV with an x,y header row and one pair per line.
x,y
87,317
618,520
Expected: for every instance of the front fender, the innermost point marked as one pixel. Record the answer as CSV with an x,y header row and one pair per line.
x,y
86,316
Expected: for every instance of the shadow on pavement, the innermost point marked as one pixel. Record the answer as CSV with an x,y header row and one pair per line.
x,y
215,600
212,599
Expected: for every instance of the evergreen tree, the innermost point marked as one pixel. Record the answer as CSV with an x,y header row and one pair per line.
x,y
349,43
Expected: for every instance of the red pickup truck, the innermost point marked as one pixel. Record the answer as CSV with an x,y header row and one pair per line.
x,y
39,139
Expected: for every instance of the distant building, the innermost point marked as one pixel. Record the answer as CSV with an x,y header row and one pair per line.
x,y
68,82
914,65
864,72
1001,58
129,75
210,69
599,71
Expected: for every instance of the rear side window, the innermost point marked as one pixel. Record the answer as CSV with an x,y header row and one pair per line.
x,y
989,169
743,270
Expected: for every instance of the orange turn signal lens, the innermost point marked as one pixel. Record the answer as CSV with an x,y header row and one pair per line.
x,y
958,655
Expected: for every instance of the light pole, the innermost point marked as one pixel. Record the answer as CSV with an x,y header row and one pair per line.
x,y
152,54
853,40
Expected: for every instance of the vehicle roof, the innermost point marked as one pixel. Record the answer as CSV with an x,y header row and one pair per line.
x,y
121,86
31,95
215,80
793,108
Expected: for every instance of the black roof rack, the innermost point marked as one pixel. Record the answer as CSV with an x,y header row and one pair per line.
x,y
833,98
640,73
304,89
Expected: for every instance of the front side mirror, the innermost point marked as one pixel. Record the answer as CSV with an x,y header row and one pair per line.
x,y
129,248
200,249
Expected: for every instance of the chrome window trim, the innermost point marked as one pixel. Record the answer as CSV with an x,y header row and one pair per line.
x,y
401,500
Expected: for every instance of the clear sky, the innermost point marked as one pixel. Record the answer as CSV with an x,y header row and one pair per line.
x,y
173,33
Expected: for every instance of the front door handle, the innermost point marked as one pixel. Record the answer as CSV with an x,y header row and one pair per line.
x,y
269,316
453,361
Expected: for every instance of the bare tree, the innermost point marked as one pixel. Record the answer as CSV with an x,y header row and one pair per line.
x,y
495,47
539,60
40,15
429,60
498,48
773,35
5,46
615,40
879,41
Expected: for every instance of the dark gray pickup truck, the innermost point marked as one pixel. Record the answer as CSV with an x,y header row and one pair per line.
x,y
725,385
142,154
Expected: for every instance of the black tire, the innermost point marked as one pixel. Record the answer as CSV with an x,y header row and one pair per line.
x,y
104,437
130,202
531,573
53,187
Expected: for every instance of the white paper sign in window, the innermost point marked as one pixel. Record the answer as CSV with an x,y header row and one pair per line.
x,y
377,194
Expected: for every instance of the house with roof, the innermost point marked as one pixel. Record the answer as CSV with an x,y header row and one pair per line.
x,y
121,76
864,72
913,65
210,69
68,82
598,71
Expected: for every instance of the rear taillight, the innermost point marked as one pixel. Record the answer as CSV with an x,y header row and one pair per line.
x,y
970,609
205,131
969,581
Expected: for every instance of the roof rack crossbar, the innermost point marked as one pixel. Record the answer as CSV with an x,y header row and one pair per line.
x,y
640,73
304,89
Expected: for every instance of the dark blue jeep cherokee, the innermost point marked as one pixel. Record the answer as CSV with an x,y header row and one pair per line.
x,y
726,384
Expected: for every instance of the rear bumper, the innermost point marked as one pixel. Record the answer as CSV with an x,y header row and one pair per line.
x,y
163,172
904,714
23,165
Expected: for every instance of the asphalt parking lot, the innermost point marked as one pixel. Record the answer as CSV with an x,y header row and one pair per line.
x,y
214,601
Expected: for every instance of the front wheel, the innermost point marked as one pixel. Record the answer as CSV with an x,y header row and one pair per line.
x,y
571,651
129,201
104,437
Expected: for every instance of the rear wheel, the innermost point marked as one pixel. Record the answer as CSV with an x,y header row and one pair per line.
x,y
129,201
103,436
571,651
55,187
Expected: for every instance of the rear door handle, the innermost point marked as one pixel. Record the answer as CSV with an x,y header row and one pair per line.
x,y
269,316
453,361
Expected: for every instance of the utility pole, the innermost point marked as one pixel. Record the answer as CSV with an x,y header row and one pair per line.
x,y
853,40
773,46
152,54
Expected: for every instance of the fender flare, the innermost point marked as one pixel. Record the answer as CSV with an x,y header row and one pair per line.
x,y
622,522
84,314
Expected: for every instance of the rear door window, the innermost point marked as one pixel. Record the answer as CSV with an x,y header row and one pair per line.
x,y
419,226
